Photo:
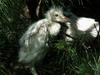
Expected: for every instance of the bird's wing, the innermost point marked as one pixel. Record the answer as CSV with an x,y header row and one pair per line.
x,y
32,30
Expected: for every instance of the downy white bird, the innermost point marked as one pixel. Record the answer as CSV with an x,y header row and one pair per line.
x,y
34,41
86,28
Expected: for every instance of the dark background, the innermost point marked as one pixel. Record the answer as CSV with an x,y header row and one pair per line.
x,y
86,8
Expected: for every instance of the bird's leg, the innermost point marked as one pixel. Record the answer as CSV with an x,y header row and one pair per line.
x,y
33,71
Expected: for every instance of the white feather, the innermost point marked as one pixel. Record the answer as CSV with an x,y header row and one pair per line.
x,y
82,26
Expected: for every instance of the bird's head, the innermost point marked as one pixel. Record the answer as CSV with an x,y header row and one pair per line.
x,y
56,15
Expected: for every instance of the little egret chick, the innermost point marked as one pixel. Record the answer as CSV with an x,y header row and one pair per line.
x,y
34,42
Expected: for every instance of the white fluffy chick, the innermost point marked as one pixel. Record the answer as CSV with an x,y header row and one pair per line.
x,y
34,41
82,26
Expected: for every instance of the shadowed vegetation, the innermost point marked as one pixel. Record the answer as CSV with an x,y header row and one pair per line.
x,y
63,58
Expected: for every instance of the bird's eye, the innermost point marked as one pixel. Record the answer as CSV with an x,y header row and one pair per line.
x,y
56,15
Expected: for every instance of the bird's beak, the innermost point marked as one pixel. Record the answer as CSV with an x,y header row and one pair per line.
x,y
66,19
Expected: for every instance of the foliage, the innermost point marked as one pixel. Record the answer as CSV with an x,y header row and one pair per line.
x,y
3,70
12,26
62,59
